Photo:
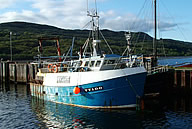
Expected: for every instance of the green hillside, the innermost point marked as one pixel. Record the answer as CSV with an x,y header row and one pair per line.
x,y
25,41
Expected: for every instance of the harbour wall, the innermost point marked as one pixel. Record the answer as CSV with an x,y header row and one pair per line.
x,y
183,80
18,72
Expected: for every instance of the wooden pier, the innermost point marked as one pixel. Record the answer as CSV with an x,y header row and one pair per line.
x,y
183,78
18,72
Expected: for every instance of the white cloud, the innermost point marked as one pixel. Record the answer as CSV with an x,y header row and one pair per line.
x,y
111,20
6,3
71,14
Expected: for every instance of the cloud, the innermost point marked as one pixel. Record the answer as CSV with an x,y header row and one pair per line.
x,y
113,21
71,14
6,3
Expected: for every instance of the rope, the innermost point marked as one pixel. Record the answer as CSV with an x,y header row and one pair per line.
x,y
106,42
132,88
131,85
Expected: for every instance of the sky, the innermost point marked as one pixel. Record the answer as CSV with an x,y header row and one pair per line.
x,y
174,16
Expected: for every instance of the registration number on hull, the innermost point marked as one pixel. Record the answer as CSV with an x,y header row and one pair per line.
x,y
63,79
93,89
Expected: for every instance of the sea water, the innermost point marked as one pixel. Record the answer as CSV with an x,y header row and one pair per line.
x,y
19,110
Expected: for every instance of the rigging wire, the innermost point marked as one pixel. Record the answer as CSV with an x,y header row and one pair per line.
x,y
86,25
139,13
148,20
142,12
160,34
106,42
174,20
92,21
133,24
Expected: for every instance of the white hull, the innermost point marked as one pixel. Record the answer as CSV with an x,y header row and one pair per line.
x,y
81,78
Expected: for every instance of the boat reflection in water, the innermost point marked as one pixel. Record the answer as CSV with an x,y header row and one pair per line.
x,y
161,113
55,115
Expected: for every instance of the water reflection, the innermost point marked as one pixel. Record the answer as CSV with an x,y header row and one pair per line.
x,y
19,110
15,110
180,112
63,116
171,112
4,87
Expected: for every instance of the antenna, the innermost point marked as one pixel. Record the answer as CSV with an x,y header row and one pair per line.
x,y
96,7
87,7
95,27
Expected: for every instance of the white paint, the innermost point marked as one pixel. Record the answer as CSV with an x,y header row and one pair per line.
x,y
80,78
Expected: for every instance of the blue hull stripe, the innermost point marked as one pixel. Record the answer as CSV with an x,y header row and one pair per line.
x,y
118,92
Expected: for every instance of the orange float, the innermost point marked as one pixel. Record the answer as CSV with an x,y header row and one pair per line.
x,y
76,90
55,68
50,67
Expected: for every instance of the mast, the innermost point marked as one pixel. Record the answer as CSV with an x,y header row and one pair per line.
x,y
155,33
128,37
95,29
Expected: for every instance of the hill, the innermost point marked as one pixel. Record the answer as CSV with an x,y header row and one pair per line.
x,y
25,41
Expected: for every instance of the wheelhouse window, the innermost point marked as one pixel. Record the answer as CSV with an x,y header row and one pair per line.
x,y
86,63
105,62
74,64
111,62
98,63
91,63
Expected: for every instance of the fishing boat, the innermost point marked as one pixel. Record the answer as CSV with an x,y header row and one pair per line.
x,y
92,79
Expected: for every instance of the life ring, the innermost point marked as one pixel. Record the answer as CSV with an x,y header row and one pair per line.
x,y
50,67
54,69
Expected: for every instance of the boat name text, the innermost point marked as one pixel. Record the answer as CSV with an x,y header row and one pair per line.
x,y
63,79
94,89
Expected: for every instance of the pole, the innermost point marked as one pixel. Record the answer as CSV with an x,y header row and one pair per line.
x,y
155,34
11,46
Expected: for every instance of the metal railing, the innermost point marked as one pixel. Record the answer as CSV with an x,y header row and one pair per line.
x,y
158,69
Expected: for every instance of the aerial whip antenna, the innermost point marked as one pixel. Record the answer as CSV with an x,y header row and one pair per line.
x,y
87,7
96,7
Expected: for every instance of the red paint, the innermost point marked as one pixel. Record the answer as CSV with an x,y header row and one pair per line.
x,y
189,65
76,90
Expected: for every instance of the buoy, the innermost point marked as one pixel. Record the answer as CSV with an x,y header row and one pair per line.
x,y
54,69
50,67
76,90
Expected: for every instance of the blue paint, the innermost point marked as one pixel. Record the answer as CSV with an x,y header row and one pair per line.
x,y
115,92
